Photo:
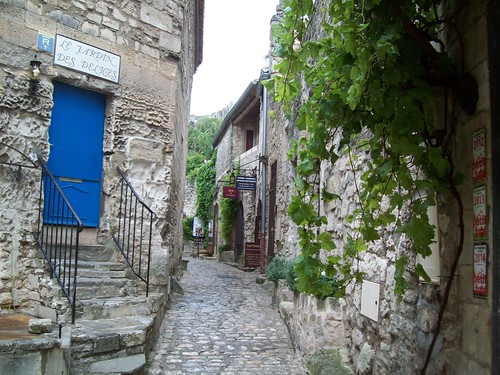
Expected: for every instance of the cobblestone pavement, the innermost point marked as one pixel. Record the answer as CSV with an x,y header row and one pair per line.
x,y
223,324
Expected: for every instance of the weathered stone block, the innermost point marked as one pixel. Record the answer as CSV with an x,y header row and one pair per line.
x,y
427,318
29,363
134,339
34,296
127,365
171,42
94,17
112,24
118,15
365,359
107,343
69,21
39,326
144,149
102,7
107,34
150,51
89,28
156,18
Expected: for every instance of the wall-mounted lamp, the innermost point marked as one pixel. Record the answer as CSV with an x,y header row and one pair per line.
x,y
232,178
264,74
34,75
436,112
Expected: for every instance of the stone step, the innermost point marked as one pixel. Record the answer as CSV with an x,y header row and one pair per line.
x,y
89,288
104,270
101,274
100,265
99,340
97,269
116,307
131,365
99,253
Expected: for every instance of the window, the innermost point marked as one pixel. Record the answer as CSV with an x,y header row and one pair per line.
x,y
249,140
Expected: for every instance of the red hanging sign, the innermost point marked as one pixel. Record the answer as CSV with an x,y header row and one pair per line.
x,y
230,192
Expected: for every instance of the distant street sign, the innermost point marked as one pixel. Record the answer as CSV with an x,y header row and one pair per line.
x,y
246,183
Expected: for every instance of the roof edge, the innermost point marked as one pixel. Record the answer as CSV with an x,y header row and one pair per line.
x,y
227,120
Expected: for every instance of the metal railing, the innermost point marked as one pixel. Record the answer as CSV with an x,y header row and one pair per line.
x,y
135,228
58,234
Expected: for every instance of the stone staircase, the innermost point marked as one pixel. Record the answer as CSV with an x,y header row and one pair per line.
x,y
116,324
115,328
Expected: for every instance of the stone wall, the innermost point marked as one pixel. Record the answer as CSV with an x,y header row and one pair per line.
x,y
145,128
467,350
225,155
189,199
398,341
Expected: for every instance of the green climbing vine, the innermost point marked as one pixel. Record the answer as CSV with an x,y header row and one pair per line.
x,y
205,185
360,77
228,211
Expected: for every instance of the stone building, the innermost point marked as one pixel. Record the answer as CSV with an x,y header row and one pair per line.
x,y
89,87
372,332
237,145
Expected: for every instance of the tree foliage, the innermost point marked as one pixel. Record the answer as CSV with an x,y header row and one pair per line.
x,y
205,184
200,136
371,70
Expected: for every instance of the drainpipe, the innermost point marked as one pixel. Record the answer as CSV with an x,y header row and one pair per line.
x,y
264,75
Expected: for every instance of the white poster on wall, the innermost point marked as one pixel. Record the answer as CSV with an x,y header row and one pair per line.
x,y
198,228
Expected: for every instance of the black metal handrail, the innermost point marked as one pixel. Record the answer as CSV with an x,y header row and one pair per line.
x,y
135,218
58,234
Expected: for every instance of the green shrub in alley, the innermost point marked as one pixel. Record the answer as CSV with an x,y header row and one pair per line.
x,y
282,269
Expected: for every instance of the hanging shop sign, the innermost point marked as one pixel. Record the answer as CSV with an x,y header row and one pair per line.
x,y
480,276
246,183
479,172
230,192
480,221
87,59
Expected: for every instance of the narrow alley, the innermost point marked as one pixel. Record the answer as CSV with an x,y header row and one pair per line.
x,y
223,324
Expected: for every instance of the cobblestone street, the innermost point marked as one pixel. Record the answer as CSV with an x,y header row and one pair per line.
x,y
223,324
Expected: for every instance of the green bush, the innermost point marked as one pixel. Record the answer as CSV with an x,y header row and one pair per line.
x,y
275,270
187,228
291,277
280,268
225,248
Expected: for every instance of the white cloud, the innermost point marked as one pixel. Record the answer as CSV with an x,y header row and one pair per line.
x,y
236,43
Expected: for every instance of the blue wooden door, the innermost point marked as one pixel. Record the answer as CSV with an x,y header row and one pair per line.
x,y
76,135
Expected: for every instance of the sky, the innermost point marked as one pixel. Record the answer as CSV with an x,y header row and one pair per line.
x,y
235,46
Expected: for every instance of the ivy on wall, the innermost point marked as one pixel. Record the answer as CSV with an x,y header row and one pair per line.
x,y
371,71
228,211
205,185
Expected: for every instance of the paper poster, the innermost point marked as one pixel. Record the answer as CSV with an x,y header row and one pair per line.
x,y
479,156
480,221
480,276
